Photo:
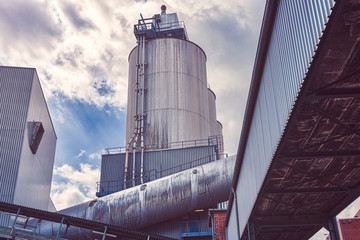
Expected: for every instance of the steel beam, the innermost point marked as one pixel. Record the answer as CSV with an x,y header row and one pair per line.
x,y
292,222
312,175
331,139
332,118
327,154
342,79
304,190
299,218
336,93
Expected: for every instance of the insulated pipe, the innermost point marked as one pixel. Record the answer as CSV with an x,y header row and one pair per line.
x,y
156,201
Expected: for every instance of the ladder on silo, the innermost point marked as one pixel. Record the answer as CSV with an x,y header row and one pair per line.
x,y
139,116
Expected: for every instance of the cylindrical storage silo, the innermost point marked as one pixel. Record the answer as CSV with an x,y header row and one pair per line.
x,y
219,128
176,98
212,113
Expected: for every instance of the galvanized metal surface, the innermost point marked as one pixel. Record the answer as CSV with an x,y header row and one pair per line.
x,y
154,202
297,28
35,170
176,92
25,177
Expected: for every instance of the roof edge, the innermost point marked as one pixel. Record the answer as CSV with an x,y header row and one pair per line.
x,y
261,54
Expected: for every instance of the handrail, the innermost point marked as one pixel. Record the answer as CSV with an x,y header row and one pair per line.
x,y
194,227
103,187
211,141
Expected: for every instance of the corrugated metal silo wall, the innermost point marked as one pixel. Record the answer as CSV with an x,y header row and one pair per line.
x,y
176,100
297,28
35,170
156,164
15,88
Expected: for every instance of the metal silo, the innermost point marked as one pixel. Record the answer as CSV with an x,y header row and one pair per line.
x,y
168,97
176,99
212,113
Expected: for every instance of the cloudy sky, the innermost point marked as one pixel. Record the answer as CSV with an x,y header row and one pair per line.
x,y
80,50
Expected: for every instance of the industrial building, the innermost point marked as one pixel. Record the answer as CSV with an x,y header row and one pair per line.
x,y
27,141
297,161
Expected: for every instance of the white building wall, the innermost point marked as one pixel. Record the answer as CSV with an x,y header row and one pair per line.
x,y
25,178
35,170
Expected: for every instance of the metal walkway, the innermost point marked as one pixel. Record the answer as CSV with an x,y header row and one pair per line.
x,y
67,221
315,172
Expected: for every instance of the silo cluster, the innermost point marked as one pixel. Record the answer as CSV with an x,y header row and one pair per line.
x,y
178,103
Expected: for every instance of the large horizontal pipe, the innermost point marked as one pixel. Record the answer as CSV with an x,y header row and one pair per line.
x,y
154,202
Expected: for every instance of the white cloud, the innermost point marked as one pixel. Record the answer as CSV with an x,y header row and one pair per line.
x,y
96,156
82,153
75,186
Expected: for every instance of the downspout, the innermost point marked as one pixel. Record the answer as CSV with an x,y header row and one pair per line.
x,y
237,213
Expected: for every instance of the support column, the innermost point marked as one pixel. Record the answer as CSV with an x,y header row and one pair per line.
x,y
12,232
333,229
251,230
58,233
104,234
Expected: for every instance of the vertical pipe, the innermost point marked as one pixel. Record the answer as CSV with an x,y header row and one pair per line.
x,y
333,229
134,160
142,111
138,103
237,213
136,128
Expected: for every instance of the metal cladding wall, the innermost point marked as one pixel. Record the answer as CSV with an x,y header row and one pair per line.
x,y
15,89
138,207
176,98
156,164
25,177
35,170
298,25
